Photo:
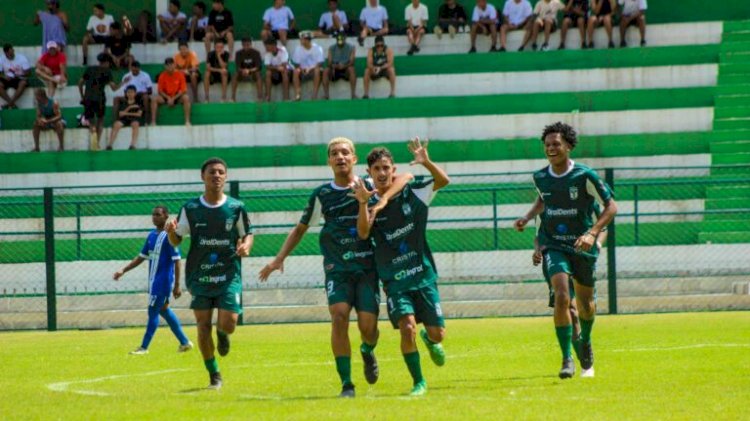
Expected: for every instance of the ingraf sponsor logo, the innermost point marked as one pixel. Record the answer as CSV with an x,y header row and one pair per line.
x,y
212,279
407,273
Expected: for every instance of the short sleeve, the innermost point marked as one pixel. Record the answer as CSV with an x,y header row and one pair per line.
x,y
385,12
144,250
244,227
183,224
597,188
362,16
90,25
475,15
424,190
291,14
322,21
342,16
312,213
538,8
267,16
643,5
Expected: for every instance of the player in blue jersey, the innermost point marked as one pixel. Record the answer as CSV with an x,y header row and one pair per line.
x,y
163,280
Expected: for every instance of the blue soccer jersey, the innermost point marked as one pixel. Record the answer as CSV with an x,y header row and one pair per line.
x,y
161,258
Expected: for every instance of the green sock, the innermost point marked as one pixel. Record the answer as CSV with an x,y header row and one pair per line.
x,y
366,348
586,326
565,337
344,368
415,368
211,365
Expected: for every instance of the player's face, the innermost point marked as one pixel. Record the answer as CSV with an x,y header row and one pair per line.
x,y
214,177
382,172
159,217
341,159
556,149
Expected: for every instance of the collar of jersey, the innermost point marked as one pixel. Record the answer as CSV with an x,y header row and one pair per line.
x,y
218,205
571,164
339,188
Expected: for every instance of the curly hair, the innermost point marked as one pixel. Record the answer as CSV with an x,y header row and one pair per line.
x,y
377,154
567,132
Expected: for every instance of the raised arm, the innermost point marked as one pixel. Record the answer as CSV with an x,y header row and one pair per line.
x,y
364,221
419,150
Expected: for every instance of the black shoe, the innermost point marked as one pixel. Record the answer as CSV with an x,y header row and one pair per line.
x,y
643,43
216,382
223,343
347,391
501,50
410,52
372,372
416,49
591,45
587,356
568,369
623,44
521,48
561,47
493,49
472,50
534,47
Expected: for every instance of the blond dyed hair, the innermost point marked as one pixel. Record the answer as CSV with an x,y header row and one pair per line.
x,y
341,141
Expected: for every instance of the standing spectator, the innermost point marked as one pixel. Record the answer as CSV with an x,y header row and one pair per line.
x,y
52,68
217,70
144,30
484,20
633,14
54,25
576,13
545,17
131,115
451,16
48,117
416,16
94,80
278,70
374,21
341,58
172,90
97,30
308,59
278,21
516,16
144,88
118,47
601,15
220,26
186,61
248,62
172,22
198,23
14,72
380,63
332,22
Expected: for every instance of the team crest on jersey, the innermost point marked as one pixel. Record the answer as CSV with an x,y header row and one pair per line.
x,y
192,205
406,208
573,193
325,190
229,224
234,205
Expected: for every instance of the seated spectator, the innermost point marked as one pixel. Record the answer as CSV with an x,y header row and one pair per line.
x,y
127,28
94,99
172,22
54,25
198,22
380,63
374,21
278,21
601,15
416,16
144,30
545,17
308,60
97,30
341,58
172,91
517,15
118,47
220,26
576,13
217,70
52,68
14,72
48,117
278,69
131,115
484,20
451,17
633,14
187,62
332,22
248,62
141,81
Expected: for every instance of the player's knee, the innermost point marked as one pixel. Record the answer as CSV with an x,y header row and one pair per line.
x,y
588,306
562,299
408,329
436,334
340,319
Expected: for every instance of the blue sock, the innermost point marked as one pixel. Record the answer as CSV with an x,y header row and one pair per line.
x,y
174,324
153,323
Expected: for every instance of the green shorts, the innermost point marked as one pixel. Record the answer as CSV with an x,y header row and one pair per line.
x,y
423,303
360,290
581,268
230,299
571,289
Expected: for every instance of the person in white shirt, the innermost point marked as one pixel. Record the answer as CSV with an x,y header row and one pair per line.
x,y
633,14
172,22
198,23
14,72
332,22
601,15
97,30
545,17
278,21
308,61
516,16
144,87
416,16
374,21
484,20
278,70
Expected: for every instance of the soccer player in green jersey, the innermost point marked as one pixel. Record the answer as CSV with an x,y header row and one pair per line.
x,y
220,234
567,238
403,257
348,262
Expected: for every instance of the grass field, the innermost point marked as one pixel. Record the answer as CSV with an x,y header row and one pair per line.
x,y
669,366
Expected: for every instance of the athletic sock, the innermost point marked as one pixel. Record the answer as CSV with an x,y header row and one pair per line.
x,y
565,337
344,368
586,326
151,326
415,367
211,365
174,324
366,348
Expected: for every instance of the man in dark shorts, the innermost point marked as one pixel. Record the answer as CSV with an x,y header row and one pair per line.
x,y
451,18
633,13
601,15
278,69
97,30
118,47
249,64
94,80
220,26
217,70
14,71
576,13
340,65
131,115
380,63
198,23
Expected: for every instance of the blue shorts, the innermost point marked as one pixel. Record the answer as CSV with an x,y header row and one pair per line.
x,y
158,301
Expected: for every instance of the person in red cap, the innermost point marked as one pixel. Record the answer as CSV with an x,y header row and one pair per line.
x,y
52,68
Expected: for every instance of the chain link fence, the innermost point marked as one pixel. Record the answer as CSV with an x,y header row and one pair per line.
x,y
679,243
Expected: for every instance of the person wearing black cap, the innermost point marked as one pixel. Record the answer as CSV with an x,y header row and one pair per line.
x,y
340,65
380,64
94,100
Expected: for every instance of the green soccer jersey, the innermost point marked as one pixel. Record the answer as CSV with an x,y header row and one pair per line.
x,y
569,206
212,263
402,255
341,247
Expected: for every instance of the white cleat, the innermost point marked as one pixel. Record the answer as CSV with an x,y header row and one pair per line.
x,y
139,351
588,373
185,348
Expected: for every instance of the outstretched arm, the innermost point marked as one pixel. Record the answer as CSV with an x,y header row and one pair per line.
x,y
291,242
419,150
133,264
535,210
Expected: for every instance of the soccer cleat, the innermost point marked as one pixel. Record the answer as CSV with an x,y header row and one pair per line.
x,y
611,44
216,382
223,343
186,347
586,356
347,391
139,351
419,389
411,51
568,369
521,48
437,353
561,46
372,372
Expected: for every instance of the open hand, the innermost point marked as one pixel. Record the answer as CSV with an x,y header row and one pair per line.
x,y
360,192
268,269
419,150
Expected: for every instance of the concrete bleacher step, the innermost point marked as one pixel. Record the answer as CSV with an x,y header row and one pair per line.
x,y
730,135
732,112
741,56
728,203
728,192
733,123
727,225
729,237
740,47
732,100
731,158
733,89
736,25
729,80
736,36
734,68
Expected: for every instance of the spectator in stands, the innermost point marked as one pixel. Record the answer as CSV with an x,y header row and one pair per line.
x,y
601,15
633,14
484,20
141,81
144,30
54,25
341,58
172,91
198,23
248,62
14,72
451,17
48,117
517,15
380,63
173,23
576,13
544,18
132,115
416,16
332,22
52,68
118,47
374,21
308,61
186,61
217,70
278,69
97,30
94,99
220,26
278,21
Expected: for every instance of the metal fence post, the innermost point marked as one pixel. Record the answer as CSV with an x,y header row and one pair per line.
x,y
78,231
49,258
609,177
635,216
234,191
494,220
